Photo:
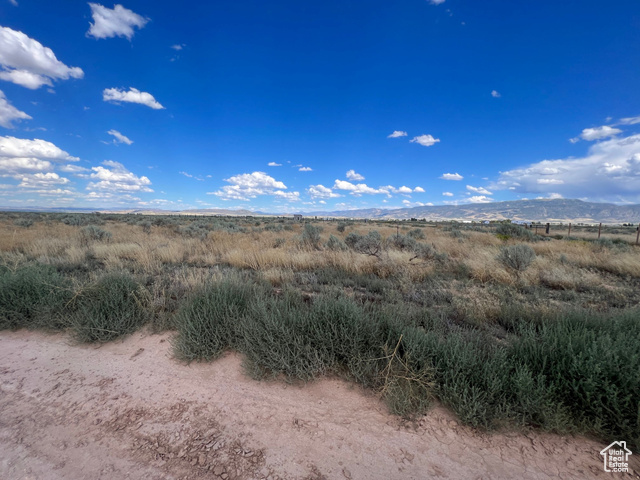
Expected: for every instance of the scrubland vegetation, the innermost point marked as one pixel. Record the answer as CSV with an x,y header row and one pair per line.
x,y
505,327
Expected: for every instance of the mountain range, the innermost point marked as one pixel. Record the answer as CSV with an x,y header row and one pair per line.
x,y
556,210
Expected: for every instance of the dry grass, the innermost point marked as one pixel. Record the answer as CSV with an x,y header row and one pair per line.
x,y
277,255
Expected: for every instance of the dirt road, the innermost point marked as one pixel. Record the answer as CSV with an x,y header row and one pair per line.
x,y
127,410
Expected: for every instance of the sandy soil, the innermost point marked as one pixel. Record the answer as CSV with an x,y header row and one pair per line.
x,y
127,410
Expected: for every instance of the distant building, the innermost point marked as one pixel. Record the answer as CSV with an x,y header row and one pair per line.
x,y
297,217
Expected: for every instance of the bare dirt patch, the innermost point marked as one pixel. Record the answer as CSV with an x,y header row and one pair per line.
x,y
127,410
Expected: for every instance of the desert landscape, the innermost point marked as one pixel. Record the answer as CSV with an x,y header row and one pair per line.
x,y
266,347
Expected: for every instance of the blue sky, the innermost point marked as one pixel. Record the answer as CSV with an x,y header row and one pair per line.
x,y
287,106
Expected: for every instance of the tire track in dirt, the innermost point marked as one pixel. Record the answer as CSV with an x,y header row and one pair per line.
x,y
127,410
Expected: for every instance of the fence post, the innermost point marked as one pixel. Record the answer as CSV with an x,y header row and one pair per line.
x,y
536,228
397,232
599,230
547,229
569,230
638,234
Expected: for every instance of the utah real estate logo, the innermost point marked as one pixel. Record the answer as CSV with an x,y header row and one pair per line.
x,y
616,457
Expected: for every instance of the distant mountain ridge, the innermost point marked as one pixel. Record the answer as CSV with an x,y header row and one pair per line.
x,y
558,210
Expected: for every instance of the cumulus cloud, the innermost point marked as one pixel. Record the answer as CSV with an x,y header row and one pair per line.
x,y
274,164
480,199
418,190
436,2
12,147
451,176
289,196
132,96
42,180
447,194
320,191
425,140
26,62
352,175
358,188
609,171
73,169
178,47
305,169
250,185
9,113
14,166
495,94
114,177
397,133
481,190
596,133
119,138
114,22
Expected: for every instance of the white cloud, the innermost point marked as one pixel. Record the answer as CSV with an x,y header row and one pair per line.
x,y
425,140
358,189
629,121
119,138
289,196
436,2
188,175
549,181
14,166
320,191
352,175
73,169
114,177
26,62
495,94
250,185
404,189
274,164
481,190
305,169
480,199
42,180
178,47
111,22
451,176
418,190
40,149
9,113
14,2
397,133
597,133
610,171
447,194
132,96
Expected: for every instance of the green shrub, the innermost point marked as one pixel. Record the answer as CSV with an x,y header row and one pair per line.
x,y
517,257
416,234
113,306
208,321
341,227
510,230
93,232
32,296
369,244
311,236
334,243
23,222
